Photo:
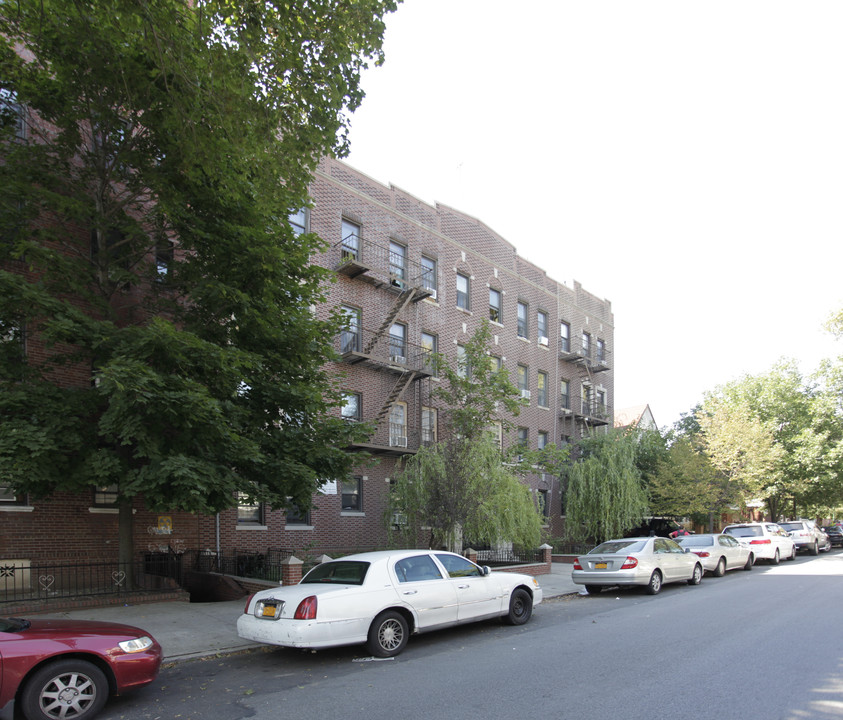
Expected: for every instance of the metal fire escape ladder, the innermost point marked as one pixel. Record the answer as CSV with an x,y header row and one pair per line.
x,y
398,390
403,300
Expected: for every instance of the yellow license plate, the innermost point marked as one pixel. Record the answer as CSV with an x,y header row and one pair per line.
x,y
269,610
600,566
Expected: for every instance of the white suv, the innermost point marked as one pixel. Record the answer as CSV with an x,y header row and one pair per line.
x,y
807,536
766,539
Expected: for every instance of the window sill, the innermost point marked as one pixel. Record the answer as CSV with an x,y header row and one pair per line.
x,y
299,527
245,526
16,508
523,339
496,323
106,510
352,513
463,310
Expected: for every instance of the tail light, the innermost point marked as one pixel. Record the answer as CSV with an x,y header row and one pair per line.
x,y
702,553
248,602
629,563
577,565
765,541
306,609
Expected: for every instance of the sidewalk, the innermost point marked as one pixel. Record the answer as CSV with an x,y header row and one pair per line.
x,y
194,630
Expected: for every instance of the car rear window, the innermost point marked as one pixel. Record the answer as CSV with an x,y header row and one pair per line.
x,y
791,526
340,572
744,531
695,541
616,546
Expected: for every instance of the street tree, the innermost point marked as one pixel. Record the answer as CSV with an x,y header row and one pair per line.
x,y
151,154
466,487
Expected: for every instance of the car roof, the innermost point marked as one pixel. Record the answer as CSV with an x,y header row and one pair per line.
x,y
381,555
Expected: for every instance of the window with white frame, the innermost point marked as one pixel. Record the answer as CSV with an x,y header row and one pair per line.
x,y
541,326
541,388
397,263
398,344
496,429
398,425
350,233
12,114
523,320
495,306
429,425
463,286
352,494
430,281
352,407
298,221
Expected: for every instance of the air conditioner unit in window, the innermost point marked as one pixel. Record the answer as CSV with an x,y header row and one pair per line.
x,y
397,359
399,518
525,394
398,441
543,341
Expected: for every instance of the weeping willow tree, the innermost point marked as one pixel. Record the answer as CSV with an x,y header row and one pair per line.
x,y
606,496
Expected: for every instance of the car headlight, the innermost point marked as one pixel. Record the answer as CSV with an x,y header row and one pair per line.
x,y
136,645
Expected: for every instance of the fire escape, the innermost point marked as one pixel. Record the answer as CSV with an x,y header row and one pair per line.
x,y
590,409
386,349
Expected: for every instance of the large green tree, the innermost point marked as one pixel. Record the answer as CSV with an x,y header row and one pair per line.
x,y
152,151
463,487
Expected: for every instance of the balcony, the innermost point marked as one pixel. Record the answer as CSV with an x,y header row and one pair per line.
x,y
593,412
392,440
355,257
592,358
383,352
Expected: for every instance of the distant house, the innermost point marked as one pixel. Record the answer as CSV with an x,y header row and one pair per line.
x,y
638,416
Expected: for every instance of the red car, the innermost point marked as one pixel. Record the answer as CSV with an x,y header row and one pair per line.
x,y
67,669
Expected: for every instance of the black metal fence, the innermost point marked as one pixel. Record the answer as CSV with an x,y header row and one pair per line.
x,y
24,582
497,555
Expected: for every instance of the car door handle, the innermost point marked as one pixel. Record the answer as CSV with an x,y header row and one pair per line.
x,y
411,592
463,587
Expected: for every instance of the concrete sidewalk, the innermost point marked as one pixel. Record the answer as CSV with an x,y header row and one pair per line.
x,y
194,630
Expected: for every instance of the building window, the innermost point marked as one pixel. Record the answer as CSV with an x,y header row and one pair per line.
x,y
541,440
398,344
601,351
352,407
350,338
565,398
497,432
105,496
523,441
462,292
586,345
586,396
600,403
544,507
430,347
298,221
397,263
541,389
541,326
495,364
398,425
463,369
429,425
12,115
350,240
8,496
12,339
495,307
523,378
523,320
352,494
429,279
564,337
294,515
249,511
165,251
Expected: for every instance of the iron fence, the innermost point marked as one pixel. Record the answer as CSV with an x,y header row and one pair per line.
x,y
497,555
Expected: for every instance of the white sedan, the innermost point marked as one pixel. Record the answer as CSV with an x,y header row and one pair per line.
x,y
650,561
718,552
381,598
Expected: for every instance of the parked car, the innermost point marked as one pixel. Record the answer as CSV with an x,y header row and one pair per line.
x,y
718,552
68,668
807,536
835,535
381,598
766,539
649,561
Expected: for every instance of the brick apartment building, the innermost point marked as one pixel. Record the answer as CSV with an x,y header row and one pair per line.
x,y
413,278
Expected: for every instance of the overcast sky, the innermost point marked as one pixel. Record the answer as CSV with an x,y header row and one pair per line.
x,y
682,159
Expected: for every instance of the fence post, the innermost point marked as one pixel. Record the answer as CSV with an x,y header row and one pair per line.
x,y
471,554
291,570
547,559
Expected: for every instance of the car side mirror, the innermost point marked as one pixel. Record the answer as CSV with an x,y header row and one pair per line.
x,y
486,570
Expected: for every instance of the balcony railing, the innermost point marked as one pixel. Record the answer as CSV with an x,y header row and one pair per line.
x,y
383,349
594,358
354,256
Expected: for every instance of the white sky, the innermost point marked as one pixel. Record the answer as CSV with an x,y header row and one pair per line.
x,y
682,159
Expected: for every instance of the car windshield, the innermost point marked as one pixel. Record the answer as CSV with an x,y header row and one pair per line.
x,y
13,624
744,531
791,526
616,546
339,572
695,540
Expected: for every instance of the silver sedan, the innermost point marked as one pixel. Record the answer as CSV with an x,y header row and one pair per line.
x,y
650,561
718,552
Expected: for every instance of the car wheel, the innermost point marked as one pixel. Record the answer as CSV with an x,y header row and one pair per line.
x,y
593,589
720,570
750,561
696,577
815,548
655,583
388,634
520,607
775,560
793,553
71,689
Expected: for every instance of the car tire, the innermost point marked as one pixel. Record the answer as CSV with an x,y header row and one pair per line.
x,y
520,607
593,589
82,686
793,553
655,584
720,570
388,634
776,558
750,561
697,575
815,548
